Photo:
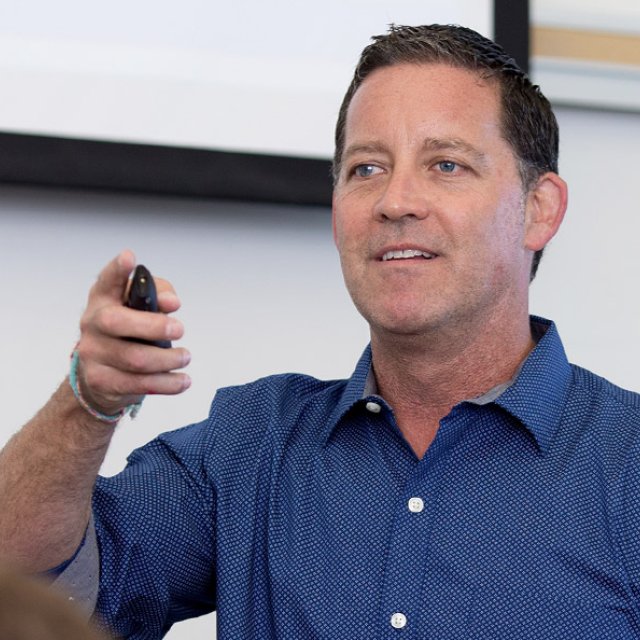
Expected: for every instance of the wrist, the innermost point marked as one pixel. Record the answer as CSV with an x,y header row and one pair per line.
x,y
74,383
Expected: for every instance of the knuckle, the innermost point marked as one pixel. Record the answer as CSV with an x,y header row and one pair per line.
x,y
136,359
85,353
105,319
122,386
85,321
93,378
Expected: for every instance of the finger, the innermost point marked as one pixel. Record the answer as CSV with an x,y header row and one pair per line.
x,y
132,357
168,384
120,387
168,300
121,322
112,280
163,285
109,390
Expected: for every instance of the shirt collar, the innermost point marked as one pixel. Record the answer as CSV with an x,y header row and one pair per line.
x,y
536,397
354,391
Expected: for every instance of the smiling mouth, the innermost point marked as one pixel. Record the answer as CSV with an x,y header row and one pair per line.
x,y
407,254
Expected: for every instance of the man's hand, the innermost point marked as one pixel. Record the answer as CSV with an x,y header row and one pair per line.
x,y
49,468
113,372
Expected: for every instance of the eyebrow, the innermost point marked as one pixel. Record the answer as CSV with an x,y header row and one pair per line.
x,y
370,147
454,144
429,144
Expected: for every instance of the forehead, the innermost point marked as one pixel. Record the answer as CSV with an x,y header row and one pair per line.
x,y
425,98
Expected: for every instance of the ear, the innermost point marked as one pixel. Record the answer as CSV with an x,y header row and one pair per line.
x,y
545,209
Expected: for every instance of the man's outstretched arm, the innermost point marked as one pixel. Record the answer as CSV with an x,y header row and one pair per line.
x,y
48,469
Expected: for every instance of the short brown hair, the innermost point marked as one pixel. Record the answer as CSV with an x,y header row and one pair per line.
x,y
30,610
528,122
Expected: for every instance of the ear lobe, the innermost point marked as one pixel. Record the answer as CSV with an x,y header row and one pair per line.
x,y
546,206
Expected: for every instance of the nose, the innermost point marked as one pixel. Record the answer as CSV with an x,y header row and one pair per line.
x,y
404,196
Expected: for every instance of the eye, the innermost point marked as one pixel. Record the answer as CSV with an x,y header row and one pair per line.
x,y
365,170
448,166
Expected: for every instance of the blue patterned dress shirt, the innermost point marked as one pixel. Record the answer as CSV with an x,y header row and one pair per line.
x,y
298,512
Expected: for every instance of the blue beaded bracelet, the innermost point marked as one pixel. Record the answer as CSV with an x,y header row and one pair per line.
x,y
132,409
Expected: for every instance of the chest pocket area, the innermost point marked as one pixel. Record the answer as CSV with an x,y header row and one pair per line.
x,y
515,615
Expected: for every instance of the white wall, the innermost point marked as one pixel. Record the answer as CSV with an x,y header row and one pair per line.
x,y
588,280
262,290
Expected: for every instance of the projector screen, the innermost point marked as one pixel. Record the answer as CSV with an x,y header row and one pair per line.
x,y
249,75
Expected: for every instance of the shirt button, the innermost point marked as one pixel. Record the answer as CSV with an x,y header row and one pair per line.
x,y
398,620
416,505
373,407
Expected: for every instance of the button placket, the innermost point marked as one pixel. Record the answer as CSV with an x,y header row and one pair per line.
x,y
407,555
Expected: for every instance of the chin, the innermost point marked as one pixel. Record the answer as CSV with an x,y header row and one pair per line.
x,y
404,312
402,324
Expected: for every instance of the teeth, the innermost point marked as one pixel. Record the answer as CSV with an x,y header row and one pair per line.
x,y
406,253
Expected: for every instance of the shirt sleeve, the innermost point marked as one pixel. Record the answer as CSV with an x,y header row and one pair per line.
x,y
155,533
79,578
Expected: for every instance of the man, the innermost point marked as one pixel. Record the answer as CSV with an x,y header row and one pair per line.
x,y
465,482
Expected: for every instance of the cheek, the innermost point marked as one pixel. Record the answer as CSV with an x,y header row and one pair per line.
x,y
335,204
346,225
510,257
496,236
508,223
338,232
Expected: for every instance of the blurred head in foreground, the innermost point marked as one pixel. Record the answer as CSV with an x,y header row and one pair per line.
x,y
29,610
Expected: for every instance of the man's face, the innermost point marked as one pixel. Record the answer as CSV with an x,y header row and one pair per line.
x,y
429,210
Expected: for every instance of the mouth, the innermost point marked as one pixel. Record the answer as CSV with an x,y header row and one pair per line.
x,y
407,254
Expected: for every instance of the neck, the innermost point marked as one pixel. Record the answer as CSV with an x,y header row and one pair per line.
x,y
423,376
